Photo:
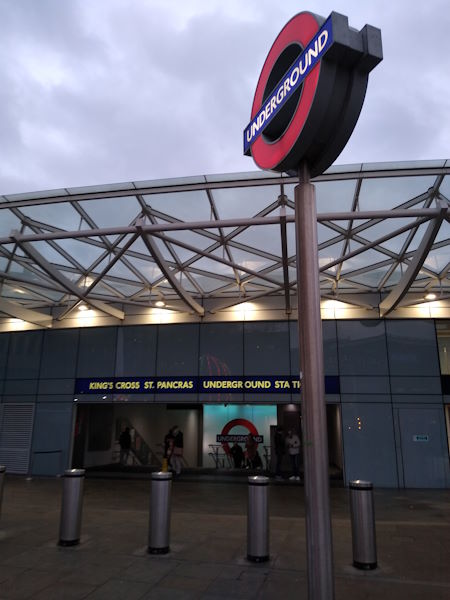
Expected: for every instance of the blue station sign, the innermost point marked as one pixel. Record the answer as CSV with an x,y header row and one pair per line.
x,y
232,384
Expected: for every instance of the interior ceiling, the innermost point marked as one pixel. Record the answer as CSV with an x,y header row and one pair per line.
x,y
381,228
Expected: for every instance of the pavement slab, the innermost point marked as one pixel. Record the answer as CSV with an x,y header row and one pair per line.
x,y
208,538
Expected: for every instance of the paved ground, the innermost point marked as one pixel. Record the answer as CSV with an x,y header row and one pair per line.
x,y
208,543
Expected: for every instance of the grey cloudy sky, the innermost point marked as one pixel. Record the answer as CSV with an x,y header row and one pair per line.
x,y
99,91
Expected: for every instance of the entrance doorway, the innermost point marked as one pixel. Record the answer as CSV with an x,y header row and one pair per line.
x,y
289,417
98,428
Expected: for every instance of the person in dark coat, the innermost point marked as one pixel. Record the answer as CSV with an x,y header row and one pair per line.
x,y
168,444
177,454
251,448
238,455
125,445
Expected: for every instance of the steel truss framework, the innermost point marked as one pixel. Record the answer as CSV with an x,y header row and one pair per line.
x,y
382,228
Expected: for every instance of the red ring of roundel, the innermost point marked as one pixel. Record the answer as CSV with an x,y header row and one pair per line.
x,y
234,423
301,28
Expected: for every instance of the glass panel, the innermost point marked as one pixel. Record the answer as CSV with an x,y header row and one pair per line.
x,y
412,349
444,232
362,348
174,181
136,351
182,254
370,279
149,269
290,234
211,266
364,396
122,271
331,196
443,340
266,348
437,260
369,445
123,288
364,259
193,239
415,242
105,187
178,350
185,206
85,254
367,386
324,233
250,261
388,226
277,275
50,254
61,215
4,342
413,386
445,187
330,356
335,196
59,354
221,349
8,222
402,164
329,254
245,201
395,277
51,438
387,193
27,274
97,350
207,284
112,212
18,292
241,176
266,237
24,355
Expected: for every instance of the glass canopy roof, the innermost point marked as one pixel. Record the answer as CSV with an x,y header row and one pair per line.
x,y
383,234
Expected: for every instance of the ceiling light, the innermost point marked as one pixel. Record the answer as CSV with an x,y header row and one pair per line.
x,y
430,296
160,303
82,307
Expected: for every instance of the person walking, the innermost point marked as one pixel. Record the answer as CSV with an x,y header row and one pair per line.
x,y
293,447
251,448
177,454
280,448
125,445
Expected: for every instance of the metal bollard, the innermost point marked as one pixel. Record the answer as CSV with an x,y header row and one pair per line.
x,y
159,523
363,525
2,483
71,506
258,519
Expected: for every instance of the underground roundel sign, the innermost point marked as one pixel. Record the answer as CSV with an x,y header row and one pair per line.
x,y
310,92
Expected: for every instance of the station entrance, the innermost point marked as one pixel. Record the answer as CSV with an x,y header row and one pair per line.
x,y
209,432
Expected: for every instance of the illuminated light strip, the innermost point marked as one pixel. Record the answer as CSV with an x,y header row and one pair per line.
x,y
289,83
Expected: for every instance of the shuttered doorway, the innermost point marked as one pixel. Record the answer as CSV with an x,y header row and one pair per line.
x,y
16,428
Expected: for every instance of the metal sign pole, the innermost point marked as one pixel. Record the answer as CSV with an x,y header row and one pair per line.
x,y
315,444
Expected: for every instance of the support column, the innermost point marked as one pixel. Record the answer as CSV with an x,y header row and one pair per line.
x,y
315,443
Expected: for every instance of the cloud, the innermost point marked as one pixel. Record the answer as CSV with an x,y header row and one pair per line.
x,y
94,92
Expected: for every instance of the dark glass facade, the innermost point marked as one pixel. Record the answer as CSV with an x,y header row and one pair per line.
x,y
391,375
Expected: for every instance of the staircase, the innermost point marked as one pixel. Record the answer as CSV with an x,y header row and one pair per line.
x,y
140,452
